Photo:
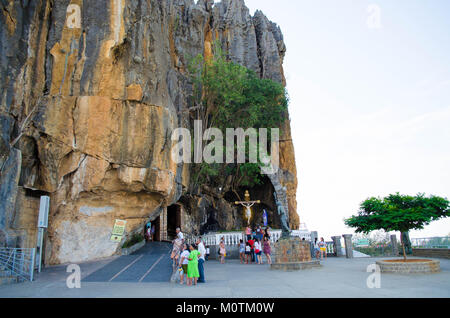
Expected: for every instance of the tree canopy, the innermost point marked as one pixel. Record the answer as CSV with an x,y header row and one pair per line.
x,y
398,212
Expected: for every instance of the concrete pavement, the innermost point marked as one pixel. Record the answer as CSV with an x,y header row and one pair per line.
x,y
337,278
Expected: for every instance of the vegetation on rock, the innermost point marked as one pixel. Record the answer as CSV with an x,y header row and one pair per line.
x,y
228,95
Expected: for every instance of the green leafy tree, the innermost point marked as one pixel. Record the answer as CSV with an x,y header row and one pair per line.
x,y
399,213
228,95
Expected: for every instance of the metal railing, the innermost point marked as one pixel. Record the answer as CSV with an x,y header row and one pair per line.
x,y
330,248
431,242
189,238
303,234
233,238
17,262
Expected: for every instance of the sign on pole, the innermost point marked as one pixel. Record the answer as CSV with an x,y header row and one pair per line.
x,y
44,207
43,212
118,231
362,243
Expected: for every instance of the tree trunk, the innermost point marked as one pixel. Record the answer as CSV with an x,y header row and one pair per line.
x,y
404,252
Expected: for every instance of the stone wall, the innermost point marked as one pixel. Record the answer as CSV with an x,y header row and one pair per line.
x,y
291,250
425,267
292,254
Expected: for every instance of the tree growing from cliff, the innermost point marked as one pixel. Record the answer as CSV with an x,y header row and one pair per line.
x,y
399,213
228,95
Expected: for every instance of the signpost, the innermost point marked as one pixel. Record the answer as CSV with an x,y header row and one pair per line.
x,y
362,243
118,231
42,225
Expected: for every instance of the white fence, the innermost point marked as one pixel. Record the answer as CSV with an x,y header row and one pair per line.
x,y
233,238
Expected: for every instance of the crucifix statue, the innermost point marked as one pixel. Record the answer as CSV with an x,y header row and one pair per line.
x,y
247,204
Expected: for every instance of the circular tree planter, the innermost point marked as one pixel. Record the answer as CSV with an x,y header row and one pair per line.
x,y
410,266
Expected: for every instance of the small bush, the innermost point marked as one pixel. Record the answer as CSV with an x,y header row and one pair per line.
x,y
135,239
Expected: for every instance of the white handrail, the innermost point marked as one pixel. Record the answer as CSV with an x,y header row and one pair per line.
x,y
233,238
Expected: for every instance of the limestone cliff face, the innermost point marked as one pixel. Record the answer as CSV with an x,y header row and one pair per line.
x,y
90,92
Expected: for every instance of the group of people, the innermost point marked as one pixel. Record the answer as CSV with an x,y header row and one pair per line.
x,y
190,259
320,248
258,242
250,252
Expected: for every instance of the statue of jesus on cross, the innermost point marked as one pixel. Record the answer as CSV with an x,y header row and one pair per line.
x,y
247,204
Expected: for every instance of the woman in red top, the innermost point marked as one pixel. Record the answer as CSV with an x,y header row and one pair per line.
x,y
252,252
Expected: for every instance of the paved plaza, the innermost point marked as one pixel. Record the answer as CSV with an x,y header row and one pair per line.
x,y
337,278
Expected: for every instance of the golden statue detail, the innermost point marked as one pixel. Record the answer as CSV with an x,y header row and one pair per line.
x,y
247,204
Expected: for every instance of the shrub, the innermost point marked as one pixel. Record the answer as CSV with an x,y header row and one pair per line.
x,y
135,239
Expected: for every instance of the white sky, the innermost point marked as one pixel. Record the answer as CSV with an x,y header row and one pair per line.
x,y
370,108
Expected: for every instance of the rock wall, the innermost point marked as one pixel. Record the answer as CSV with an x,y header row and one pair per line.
x,y
90,92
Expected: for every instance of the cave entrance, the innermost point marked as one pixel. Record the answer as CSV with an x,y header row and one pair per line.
x,y
173,220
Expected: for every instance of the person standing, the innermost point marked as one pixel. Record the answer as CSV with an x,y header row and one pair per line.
x,y
207,253
258,252
323,248
316,249
248,251
180,234
267,250
193,266
252,251
147,231
248,232
259,233
242,251
148,234
177,249
153,232
222,252
201,260
267,233
184,261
